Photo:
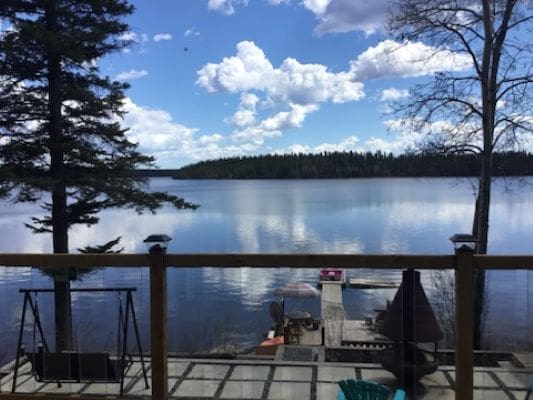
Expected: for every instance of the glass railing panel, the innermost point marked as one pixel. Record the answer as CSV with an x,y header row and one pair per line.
x,y
96,351
218,318
11,303
223,320
506,334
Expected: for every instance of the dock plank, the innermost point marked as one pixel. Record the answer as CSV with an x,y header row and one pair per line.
x,y
356,331
333,313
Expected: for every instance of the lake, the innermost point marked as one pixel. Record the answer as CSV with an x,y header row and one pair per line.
x,y
214,308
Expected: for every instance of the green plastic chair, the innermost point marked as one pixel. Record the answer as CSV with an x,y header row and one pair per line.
x,y
351,389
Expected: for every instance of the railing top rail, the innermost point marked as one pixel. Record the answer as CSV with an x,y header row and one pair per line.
x,y
232,260
503,262
312,260
57,261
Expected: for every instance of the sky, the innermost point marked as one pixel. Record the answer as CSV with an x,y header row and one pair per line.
x,y
222,78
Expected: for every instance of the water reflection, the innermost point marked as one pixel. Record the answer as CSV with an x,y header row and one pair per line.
x,y
325,216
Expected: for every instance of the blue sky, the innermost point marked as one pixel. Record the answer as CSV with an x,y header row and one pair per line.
x,y
263,76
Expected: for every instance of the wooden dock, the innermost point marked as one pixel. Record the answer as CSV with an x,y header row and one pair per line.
x,y
359,333
372,284
337,328
333,314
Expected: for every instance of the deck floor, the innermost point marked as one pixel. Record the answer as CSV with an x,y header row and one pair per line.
x,y
271,380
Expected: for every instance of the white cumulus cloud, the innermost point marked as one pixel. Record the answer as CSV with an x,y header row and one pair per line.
x,y
403,135
333,15
225,7
292,82
295,88
351,143
245,115
393,94
273,126
348,15
131,74
392,59
154,129
162,36
289,119
316,6
174,144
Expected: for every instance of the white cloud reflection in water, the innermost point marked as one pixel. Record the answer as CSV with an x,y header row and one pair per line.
x,y
322,216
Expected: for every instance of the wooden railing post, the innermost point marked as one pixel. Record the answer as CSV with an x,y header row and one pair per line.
x,y
464,324
158,326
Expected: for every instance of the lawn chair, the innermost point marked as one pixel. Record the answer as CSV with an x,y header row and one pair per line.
x,y
352,389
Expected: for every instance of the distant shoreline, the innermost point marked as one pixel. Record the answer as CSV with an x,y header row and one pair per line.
x,y
339,178
338,165
158,174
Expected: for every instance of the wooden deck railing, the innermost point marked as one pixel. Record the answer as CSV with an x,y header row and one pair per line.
x,y
464,265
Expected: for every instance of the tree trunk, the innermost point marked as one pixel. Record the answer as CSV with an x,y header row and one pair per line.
x,y
62,300
488,76
480,231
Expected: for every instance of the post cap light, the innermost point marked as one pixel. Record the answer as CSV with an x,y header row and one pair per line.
x,y
464,241
157,241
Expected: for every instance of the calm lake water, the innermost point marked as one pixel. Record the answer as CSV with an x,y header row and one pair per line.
x,y
214,308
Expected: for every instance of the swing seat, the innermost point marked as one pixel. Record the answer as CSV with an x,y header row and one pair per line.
x,y
68,366
74,367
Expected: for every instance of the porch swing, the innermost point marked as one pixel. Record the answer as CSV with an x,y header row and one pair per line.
x,y
75,367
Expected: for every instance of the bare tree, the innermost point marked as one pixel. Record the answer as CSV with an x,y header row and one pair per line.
x,y
479,110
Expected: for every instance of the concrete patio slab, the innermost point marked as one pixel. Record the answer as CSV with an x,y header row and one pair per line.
x,y
250,373
515,379
289,391
437,394
65,388
293,374
326,390
177,368
242,390
250,379
489,394
135,368
520,395
208,371
379,375
335,374
197,388
139,388
481,379
112,389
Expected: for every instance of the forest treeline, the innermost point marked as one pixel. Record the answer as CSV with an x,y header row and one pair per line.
x,y
353,165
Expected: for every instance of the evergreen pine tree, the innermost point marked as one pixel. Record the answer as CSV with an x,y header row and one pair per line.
x,y
60,129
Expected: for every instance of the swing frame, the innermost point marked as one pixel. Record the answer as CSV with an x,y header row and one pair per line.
x,y
79,366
